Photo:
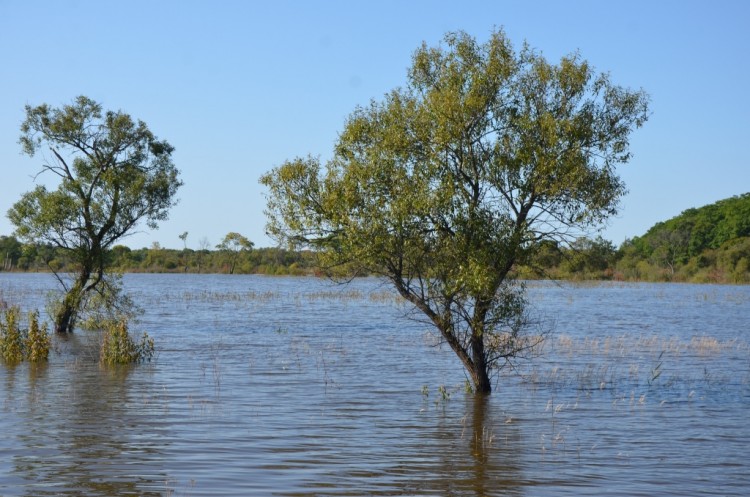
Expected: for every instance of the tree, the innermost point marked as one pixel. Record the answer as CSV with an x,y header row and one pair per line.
x,y
113,173
444,185
669,246
588,256
203,251
183,237
233,245
10,252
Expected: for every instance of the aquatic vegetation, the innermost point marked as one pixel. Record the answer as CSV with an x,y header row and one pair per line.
x,y
118,346
11,336
37,340
18,344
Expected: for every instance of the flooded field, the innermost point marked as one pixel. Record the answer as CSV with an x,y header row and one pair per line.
x,y
297,387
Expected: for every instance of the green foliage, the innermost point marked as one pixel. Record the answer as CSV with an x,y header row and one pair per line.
x,y
37,340
586,257
107,304
118,347
446,184
11,336
122,259
10,253
18,344
706,244
232,246
444,394
697,230
113,173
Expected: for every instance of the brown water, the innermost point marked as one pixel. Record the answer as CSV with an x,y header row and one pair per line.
x,y
291,386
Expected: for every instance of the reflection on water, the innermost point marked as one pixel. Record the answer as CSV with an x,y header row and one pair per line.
x,y
74,434
290,386
480,459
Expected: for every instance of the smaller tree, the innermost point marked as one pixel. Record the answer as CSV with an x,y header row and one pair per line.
x,y
233,245
670,248
183,237
113,173
10,252
204,246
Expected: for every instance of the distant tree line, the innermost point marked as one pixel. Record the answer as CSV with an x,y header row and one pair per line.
x,y
707,244
156,259
710,244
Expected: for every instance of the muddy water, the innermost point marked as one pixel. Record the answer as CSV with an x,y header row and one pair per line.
x,y
291,386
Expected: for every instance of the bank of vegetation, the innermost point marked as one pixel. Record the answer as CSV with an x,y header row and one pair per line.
x,y
156,259
710,244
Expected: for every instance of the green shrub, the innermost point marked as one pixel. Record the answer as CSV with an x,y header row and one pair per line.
x,y
118,347
37,340
18,344
11,336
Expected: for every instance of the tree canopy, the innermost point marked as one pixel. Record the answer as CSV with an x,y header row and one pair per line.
x,y
443,185
232,244
699,229
709,243
113,173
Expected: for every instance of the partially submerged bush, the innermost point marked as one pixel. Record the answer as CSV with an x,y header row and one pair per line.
x,y
37,340
11,336
18,344
118,347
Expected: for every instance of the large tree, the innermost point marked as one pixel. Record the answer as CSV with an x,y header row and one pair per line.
x,y
112,173
445,184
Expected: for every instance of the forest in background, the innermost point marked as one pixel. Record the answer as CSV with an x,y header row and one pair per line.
x,y
710,244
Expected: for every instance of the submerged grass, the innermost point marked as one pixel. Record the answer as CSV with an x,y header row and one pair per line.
x,y
628,345
337,294
636,365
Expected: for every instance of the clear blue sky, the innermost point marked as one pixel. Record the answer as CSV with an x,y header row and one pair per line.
x,y
240,86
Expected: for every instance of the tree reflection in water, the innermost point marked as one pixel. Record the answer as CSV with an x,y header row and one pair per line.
x,y
481,458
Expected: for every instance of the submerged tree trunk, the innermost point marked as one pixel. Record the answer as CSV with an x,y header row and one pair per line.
x,y
66,316
474,360
480,373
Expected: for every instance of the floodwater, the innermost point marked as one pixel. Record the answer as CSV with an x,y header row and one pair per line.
x,y
297,387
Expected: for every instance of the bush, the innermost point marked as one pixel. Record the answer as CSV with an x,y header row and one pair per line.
x,y
18,344
37,340
118,347
11,336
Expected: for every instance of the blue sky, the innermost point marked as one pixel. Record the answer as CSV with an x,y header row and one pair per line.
x,y
238,87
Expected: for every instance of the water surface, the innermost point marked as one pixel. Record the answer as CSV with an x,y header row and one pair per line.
x,y
296,387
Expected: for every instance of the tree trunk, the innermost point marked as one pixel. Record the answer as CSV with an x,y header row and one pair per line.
x,y
65,318
69,307
480,374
